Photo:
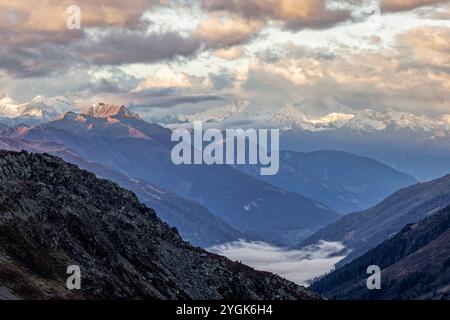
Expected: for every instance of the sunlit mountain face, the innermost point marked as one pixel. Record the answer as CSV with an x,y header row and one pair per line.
x,y
358,90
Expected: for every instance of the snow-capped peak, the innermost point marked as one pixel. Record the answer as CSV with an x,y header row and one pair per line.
x,y
336,118
367,120
371,120
46,108
40,107
220,113
10,108
102,110
291,116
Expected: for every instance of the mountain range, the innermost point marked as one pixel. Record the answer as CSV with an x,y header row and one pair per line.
x,y
341,180
418,145
122,141
415,144
54,215
297,208
233,202
188,216
361,231
318,115
415,264
39,110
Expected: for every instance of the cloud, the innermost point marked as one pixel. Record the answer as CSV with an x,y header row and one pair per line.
x,y
222,80
227,30
299,266
412,76
442,12
118,47
231,53
405,5
426,46
36,42
167,89
165,98
165,78
231,48
113,47
292,13
51,15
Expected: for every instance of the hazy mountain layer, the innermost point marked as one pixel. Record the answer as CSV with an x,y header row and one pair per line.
x,y
415,144
342,181
418,152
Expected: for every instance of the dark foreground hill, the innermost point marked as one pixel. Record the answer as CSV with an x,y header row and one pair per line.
x,y
415,264
52,215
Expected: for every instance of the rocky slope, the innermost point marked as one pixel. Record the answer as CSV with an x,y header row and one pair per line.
x,y
415,264
194,222
53,215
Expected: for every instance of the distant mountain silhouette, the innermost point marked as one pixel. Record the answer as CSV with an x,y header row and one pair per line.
x,y
416,151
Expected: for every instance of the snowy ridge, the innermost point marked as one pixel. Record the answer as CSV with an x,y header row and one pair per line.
x,y
302,116
40,109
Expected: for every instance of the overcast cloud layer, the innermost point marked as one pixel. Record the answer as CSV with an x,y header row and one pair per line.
x,y
160,54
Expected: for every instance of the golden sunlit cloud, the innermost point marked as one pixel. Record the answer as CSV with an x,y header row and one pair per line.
x,y
294,14
231,53
51,15
223,48
226,30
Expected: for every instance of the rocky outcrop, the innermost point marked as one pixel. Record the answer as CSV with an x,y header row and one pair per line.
x,y
102,110
52,215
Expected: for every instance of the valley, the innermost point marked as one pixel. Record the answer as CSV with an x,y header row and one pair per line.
x,y
313,188
202,153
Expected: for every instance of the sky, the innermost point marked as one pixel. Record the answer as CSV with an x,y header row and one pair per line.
x,y
190,55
